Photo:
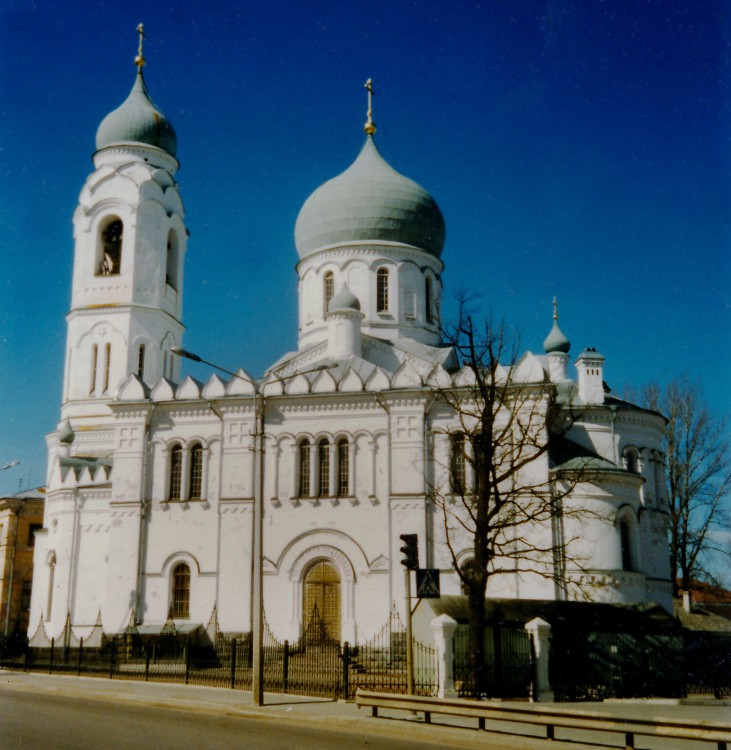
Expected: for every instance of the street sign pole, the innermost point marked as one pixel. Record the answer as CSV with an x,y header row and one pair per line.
x,y
409,639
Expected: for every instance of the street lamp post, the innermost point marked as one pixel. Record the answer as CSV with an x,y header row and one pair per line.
x,y
257,626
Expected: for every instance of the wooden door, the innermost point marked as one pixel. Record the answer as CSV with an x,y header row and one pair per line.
x,y
322,593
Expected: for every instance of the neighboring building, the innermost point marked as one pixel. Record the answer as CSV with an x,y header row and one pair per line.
x,y
21,516
152,480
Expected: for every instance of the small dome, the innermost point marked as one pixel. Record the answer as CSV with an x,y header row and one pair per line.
x,y
556,341
370,201
343,299
137,120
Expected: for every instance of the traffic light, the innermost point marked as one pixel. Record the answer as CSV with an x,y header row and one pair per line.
x,y
410,551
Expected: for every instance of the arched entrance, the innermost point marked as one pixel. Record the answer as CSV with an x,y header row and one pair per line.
x,y
322,600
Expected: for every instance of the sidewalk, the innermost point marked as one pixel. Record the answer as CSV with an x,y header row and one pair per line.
x,y
337,714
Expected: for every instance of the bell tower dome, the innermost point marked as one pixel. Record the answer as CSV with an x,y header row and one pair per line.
x,y
130,241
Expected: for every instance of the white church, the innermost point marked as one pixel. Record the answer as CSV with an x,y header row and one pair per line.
x,y
153,478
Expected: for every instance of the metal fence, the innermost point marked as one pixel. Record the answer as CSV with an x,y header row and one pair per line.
x,y
315,665
508,668
596,665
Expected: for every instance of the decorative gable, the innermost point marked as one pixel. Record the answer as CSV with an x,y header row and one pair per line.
x,y
188,390
214,388
132,389
351,382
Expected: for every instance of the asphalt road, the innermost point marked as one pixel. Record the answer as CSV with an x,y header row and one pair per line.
x,y
30,721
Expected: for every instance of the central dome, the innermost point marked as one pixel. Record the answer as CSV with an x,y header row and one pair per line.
x,y
369,202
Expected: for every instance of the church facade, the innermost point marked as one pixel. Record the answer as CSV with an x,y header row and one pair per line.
x,y
153,478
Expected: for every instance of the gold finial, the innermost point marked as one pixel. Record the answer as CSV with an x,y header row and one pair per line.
x,y
140,60
555,308
370,126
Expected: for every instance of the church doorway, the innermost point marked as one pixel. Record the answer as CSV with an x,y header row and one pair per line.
x,y
322,601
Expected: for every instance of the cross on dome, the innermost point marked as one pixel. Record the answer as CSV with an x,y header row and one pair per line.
x,y
140,59
370,126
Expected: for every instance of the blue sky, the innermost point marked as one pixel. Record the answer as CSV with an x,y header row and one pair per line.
x,y
576,147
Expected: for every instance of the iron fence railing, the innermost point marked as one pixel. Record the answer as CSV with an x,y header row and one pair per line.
x,y
507,671
316,664
596,665
583,665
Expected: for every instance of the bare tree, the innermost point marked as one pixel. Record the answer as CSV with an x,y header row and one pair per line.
x,y
698,476
501,493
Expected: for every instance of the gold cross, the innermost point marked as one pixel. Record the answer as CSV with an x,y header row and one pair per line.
x,y
140,60
370,126
555,309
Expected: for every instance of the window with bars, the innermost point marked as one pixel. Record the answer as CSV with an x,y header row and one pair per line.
x,y
323,462
328,290
176,472
343,468
382,290
195,472
457,464
180,604
303,489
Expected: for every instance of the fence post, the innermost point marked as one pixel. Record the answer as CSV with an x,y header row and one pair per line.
x,y
443,628
540,633
233,663
81,651
148,653
111,657
346,670
187,659
50,661
285,667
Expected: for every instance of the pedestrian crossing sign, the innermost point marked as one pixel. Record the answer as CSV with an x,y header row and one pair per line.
x,y
427,583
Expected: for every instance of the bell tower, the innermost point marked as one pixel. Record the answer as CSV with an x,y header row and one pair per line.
x,y
130,241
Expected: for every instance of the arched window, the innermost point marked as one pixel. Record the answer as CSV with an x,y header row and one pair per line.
x,y
171,267
328,290
631,460
141,362
176,472
195,472
323,463
304,469
467,568
180,604
625,537
427,301
107,365
94,365
111,260
382,290
343,468
457,464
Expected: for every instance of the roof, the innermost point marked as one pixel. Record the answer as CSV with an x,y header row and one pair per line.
x,y
566,455
369,202
137,120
